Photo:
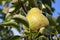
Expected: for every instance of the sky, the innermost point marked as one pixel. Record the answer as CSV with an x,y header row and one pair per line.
x,y
56,5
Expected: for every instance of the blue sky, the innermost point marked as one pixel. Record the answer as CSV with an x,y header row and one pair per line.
x,y
56,5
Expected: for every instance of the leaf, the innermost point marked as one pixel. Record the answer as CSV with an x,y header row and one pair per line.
x,y
11,23
0,2
42,38
8,17
15,38
52,20
58,29
5,0
31,3
47,2
52,30
47,6
23,1
6,8
43,30
43,6
0,11
14,1
17,6
21,19
53,1
52,9
11,9
58,19
47,11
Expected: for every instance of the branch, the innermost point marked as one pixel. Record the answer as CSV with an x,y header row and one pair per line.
x,y
20,2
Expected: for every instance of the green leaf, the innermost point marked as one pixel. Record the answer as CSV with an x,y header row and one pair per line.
x,y
58,20
8,17
53,1
52,9
5,0
58,29
52,20
1,0
52,30
42,38
15,38
47,2
21,19
24,1
14,1
0,11
47,11
0,3
43,30
41,6
31,3
47,6
11,23
8,0
17,6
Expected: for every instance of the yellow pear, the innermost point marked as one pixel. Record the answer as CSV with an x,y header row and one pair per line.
x,y
36,19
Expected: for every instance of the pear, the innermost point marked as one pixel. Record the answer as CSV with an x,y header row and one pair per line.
x,y
36,19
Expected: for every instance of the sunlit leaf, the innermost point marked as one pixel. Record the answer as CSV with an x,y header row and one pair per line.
x,y
11,9
43,30
5,8
12,24
21,19
14,1
8,17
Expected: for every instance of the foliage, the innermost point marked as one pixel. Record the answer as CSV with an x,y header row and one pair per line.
x,y
15,14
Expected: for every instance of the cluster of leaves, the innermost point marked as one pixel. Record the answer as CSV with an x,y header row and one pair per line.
x,y
13,15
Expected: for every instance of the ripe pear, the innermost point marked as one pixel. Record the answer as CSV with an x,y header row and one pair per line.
x,y
36,19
